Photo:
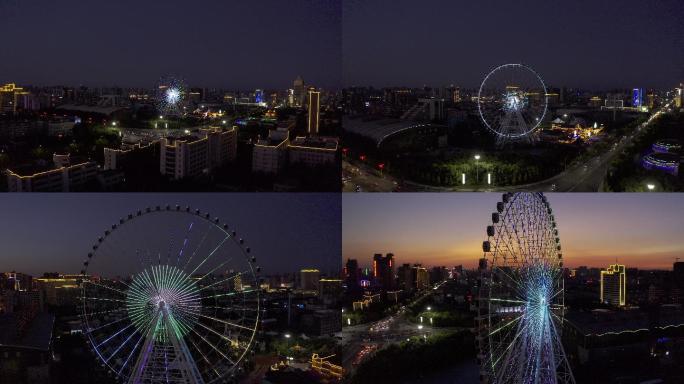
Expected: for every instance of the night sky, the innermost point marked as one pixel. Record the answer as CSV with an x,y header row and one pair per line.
x,y
53,233
581,43
231,44
640,230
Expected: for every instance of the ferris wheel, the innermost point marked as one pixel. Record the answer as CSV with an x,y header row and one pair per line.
x,y
170,294
521,299
512,102
170,96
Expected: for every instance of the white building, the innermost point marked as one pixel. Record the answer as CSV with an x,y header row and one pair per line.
x,y
197,154
270,155
64,177
313,151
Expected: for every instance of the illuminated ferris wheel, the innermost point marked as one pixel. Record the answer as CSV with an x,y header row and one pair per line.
x,y
521,299
170,97
180,300
512,102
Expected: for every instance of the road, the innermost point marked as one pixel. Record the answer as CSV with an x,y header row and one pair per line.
x,y
583,177
360,341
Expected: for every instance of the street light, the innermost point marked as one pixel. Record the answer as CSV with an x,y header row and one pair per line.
x,y
463,178
420,327
650,187
429,308
477,168
287,335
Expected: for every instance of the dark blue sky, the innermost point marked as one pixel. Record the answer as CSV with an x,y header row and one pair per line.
x,y
586,43
232,44
52,232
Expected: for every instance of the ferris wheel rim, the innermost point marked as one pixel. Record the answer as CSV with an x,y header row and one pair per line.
x,y
214,222
479,98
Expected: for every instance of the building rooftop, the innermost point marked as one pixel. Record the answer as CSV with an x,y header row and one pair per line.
x,y
378,129
319,142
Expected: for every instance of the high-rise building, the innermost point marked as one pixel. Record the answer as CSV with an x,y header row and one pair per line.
x,y
351,273
10,95
308,279
637,97
678,274
314,111
259,96
614,285
290,98
383,270
330,291
422,278
456,95
299,91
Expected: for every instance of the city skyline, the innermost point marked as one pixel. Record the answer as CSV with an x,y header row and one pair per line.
x,y
312,218
639,230
596,45
133,44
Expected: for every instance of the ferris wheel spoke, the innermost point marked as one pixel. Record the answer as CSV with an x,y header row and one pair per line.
x,y
204,357
228,323
199,245
210,255
103,299
213,346
509,346
213,270
508,301
497,330
230,294
117,309
106,325
114,335
121,346
226,279
135,347
108,287
232,308
185,243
